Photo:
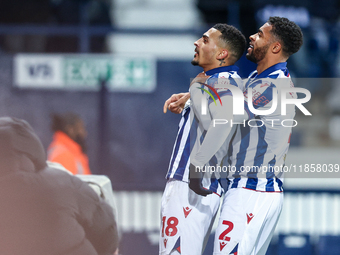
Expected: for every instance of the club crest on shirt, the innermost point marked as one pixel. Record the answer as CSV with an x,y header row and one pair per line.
x,y
264,85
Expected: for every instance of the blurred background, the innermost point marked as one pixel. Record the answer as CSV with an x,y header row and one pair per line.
x,y
115,62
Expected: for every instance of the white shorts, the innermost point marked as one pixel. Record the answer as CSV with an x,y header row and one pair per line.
x,y
186,219
247,221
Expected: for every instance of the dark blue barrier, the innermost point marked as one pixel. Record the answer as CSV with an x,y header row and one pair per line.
x,y
328,245
294,245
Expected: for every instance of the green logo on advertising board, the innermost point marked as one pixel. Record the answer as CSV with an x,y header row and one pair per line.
x,y
121,73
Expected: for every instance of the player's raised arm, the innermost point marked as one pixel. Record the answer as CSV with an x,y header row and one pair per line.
x,y
217,132
215,137
217,121
176,102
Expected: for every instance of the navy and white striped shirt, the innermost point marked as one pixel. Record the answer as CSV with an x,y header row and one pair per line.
x,y
179,161
258,149
190,128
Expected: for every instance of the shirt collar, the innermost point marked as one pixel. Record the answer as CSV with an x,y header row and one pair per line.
x,y
222,69
271,69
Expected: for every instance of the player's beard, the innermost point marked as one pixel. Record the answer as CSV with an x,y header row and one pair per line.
x,y
194,62
258,54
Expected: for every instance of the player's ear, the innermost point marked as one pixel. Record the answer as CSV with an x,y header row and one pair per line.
x,y
223,54
276,47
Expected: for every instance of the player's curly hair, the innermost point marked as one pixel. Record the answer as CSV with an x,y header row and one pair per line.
x,y
233,38
288,33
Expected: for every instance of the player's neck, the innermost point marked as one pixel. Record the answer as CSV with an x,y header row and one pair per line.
x,y
265,64
216,65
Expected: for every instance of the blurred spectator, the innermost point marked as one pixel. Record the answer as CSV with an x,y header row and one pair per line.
x,y
69,143
45,210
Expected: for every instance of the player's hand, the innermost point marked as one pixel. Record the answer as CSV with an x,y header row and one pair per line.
x,y
200,78
176,102
195,183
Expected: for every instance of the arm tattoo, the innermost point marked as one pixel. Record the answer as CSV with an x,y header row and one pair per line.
x,y
222,62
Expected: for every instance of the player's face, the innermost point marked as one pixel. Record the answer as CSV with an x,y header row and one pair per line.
x,y
259,44
207,49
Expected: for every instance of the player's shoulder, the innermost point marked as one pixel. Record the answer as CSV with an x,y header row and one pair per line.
x,y
279,79
280,73
225,78
252,74
227,75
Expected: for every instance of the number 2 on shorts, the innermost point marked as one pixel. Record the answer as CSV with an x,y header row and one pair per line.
x,y
223,236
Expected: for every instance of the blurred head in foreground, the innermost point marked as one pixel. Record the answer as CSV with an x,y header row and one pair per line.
x,y
45,210
19,146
